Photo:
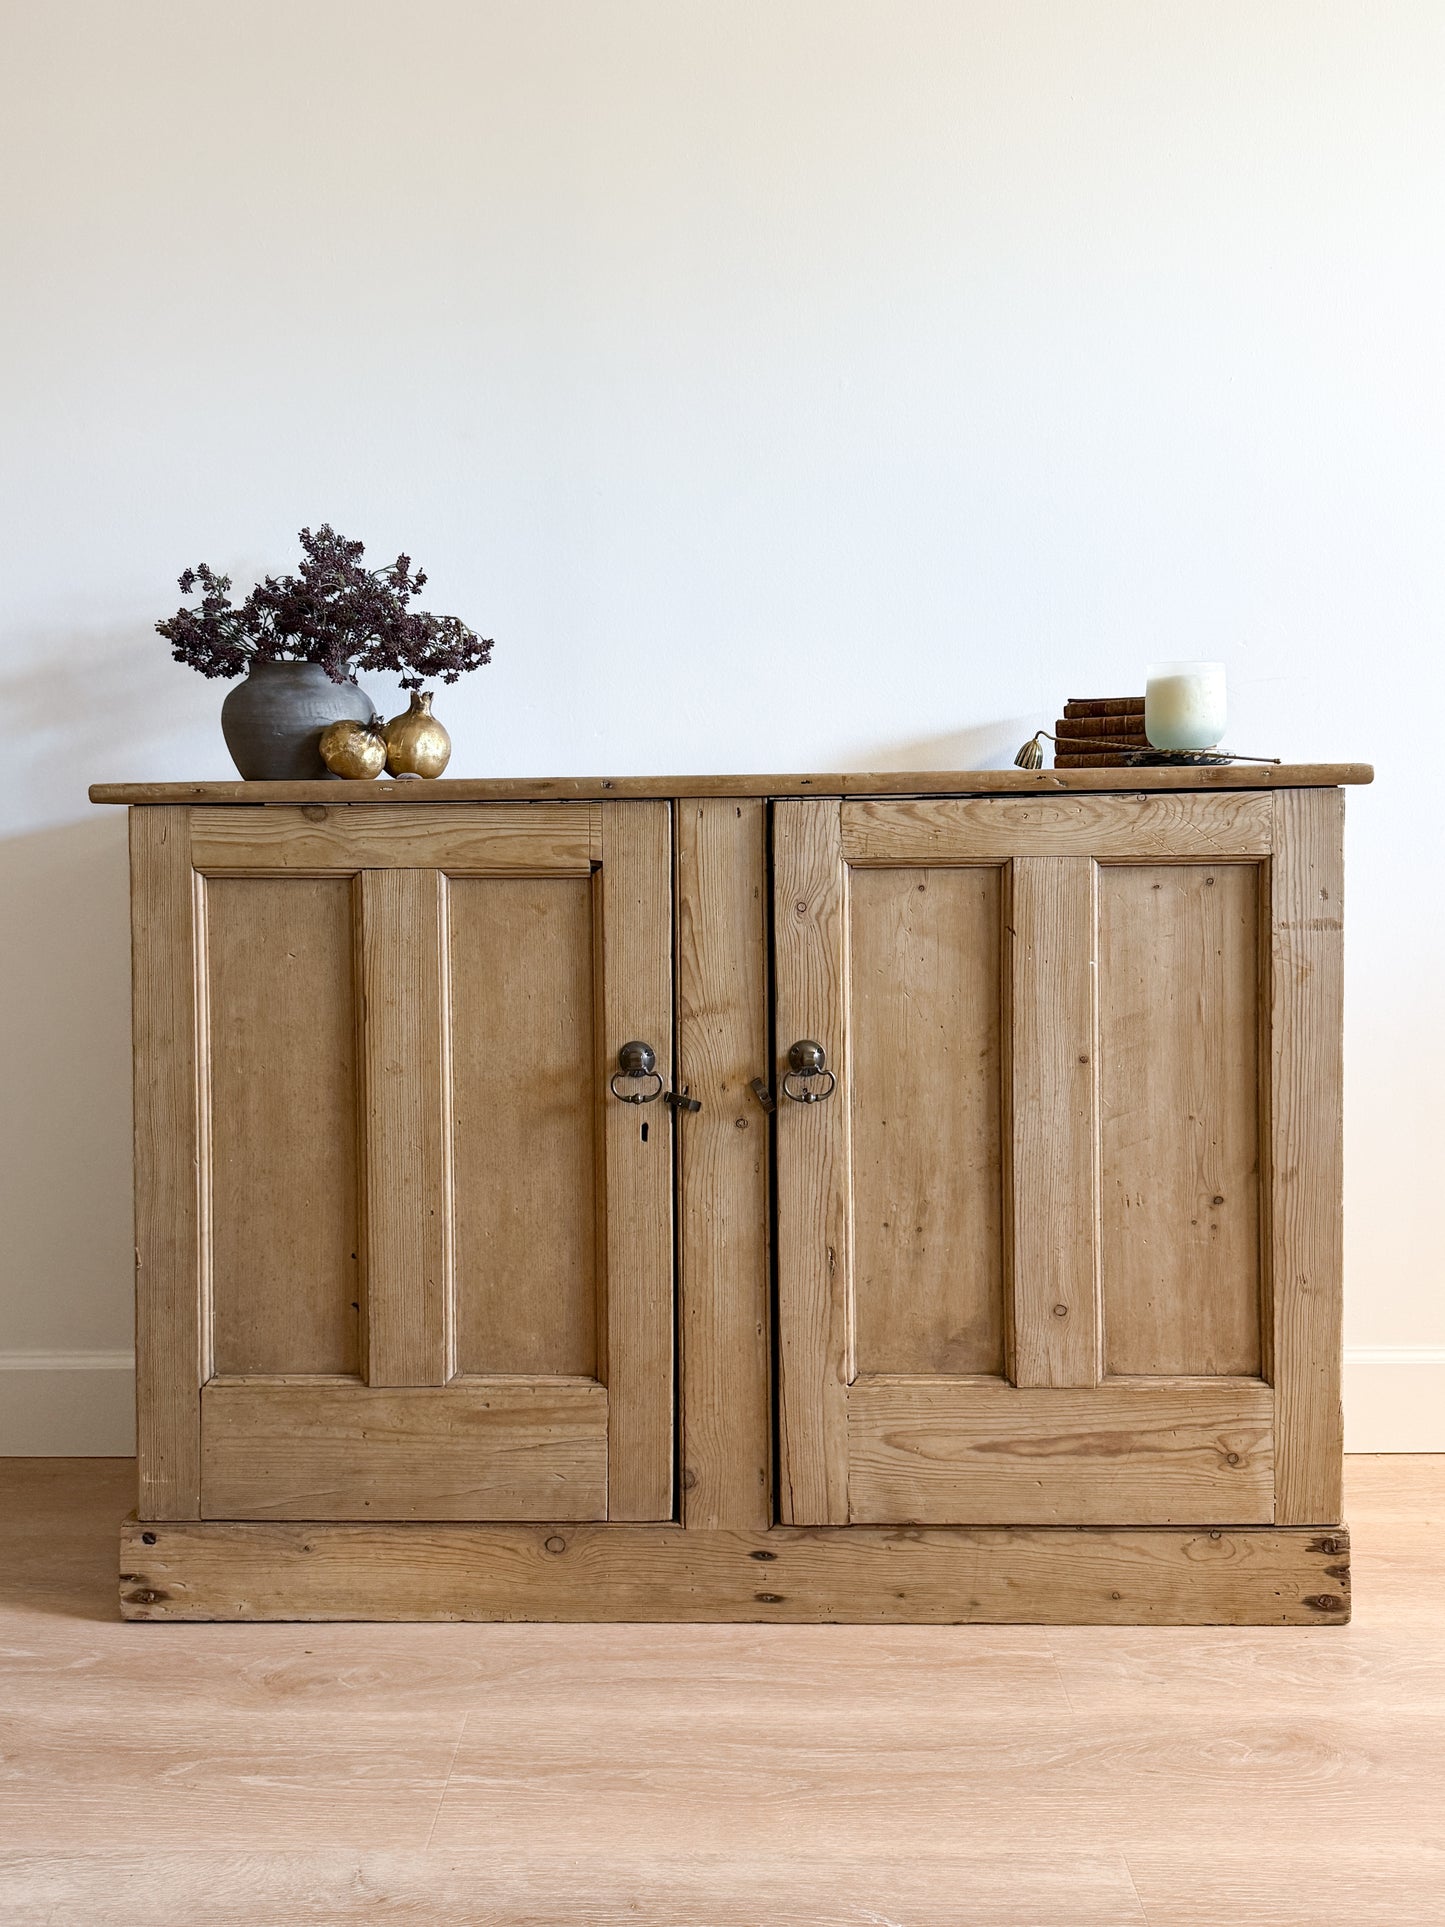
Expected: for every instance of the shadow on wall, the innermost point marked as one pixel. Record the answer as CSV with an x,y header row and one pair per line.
x,y
985,746
100,707
65,1167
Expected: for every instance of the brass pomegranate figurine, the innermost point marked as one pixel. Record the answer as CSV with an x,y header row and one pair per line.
x,y
354,750
416,743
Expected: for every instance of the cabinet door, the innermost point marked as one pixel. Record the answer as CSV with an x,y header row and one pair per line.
x,y
426,1270
1061,1246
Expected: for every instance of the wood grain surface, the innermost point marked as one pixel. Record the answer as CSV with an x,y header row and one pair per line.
x,y
725,1231
168,1016
1179,1117
949,782
1136,1575
541,839
940,1451
410,1338
506,1885
315,1448
814,1221
637,1002
1306,999
980,829
1053,1176
925,1096
718,1776
284,1203
524,1123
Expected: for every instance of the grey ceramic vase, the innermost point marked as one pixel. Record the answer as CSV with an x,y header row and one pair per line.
x,y
272,722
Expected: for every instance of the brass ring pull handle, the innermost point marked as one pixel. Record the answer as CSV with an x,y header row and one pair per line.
x,y
636,1063
806,1060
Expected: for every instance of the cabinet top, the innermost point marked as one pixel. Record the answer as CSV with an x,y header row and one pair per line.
x,y
952,782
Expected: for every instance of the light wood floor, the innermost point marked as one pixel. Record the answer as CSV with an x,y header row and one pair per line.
x,y
560,1776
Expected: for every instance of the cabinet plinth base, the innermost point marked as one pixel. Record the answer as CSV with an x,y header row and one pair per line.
x,y
1041,1575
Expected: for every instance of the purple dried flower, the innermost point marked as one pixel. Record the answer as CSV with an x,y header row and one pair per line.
x,y
334,612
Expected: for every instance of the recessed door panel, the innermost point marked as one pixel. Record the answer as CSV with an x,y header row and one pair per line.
x,y
1179,1119
524,1123
281,1028
925,1090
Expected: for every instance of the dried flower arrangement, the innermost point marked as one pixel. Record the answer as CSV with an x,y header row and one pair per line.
x,y
335,612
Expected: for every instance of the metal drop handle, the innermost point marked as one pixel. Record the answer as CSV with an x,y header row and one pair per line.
x,y
806,1060
637,1064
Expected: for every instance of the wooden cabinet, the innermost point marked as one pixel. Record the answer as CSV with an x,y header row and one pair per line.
x,y
1025,1304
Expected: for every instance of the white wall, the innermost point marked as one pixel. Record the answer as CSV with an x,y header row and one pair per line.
x,y
839,385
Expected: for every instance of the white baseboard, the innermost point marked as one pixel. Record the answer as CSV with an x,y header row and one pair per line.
x,y
67,1405
82,1404
1395,1398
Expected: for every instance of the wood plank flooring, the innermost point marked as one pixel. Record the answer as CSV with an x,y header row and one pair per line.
x,y
715,1776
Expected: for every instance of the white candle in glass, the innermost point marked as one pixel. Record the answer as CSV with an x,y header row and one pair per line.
x,y
1184,705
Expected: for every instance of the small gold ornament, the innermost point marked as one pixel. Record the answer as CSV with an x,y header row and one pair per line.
x,y
416,743
355,750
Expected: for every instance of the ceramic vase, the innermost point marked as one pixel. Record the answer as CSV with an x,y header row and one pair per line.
x,y
272,722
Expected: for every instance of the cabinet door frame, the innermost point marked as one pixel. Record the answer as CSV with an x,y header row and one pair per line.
x,y
887,1449
603,1447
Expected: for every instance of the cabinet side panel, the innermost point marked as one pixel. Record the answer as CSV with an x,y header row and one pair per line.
x,y
168,1063
924,989
285,1272
1179,1119
523,1115
1306,1155
724,1233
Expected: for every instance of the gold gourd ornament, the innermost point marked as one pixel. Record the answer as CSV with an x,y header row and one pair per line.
x,y
354,750
416,743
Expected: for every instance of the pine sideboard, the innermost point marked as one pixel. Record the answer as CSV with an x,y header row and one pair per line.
x,y
904,1197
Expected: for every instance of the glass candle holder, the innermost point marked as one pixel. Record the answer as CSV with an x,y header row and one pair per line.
x,y
1184,705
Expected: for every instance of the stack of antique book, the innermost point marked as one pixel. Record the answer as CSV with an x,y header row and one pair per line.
x,y
1097,731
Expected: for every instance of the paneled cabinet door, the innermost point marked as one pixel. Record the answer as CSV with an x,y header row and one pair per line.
x,y
1061,1245
427,1270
